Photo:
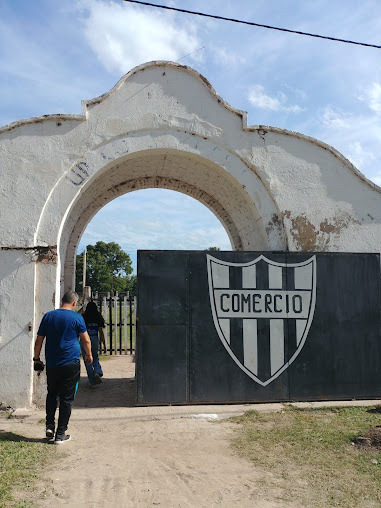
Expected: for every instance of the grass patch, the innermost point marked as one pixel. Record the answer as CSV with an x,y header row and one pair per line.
x,y
105,358
309,456
21,459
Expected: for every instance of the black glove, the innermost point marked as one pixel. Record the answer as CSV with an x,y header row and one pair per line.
x,y
38,366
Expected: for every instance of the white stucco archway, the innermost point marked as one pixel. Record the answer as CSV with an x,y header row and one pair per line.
x,y
182,171
161,126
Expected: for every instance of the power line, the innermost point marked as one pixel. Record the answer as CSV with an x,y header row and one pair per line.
x,y
199,49
253,24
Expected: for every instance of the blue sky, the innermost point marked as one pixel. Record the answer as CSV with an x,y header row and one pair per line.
x,y
55,53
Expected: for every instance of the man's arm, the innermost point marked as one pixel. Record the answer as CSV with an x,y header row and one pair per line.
x,y
38,345
38,364
102,337
86,343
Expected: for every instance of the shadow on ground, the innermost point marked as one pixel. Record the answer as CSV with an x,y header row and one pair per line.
x,y
16,438
111,393
118,387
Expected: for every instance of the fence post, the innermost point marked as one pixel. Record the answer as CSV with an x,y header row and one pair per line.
x,y
120,324
125,323
110,320
115,300
136,328
130,323
104,314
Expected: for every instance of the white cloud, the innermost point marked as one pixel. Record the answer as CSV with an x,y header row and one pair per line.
x,y
372,97
359,156
258,98
355,135
375,97
295,91
225,56
123,36
336,119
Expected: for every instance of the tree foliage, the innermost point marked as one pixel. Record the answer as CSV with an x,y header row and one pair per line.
x,y
108,268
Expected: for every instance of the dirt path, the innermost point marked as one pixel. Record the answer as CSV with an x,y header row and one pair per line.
x,y
123,456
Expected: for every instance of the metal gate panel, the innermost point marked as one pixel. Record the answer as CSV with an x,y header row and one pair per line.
x,y
162,361
163,323
249,326
341,358
163,276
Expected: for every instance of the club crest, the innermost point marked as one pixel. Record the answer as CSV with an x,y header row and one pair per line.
x,y
262,311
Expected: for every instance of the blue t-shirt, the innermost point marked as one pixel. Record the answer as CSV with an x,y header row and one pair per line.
x,y
61,327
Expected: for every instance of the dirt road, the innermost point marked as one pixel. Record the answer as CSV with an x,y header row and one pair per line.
x,y
123,456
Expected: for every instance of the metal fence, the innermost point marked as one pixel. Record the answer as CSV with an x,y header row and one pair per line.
x,y
119,313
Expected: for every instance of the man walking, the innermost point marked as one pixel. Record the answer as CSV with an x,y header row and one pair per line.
x,y
61,327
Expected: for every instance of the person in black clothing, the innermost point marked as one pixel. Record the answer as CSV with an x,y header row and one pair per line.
x,y
94,324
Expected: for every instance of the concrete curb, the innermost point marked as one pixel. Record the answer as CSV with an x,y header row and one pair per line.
x,y
210,412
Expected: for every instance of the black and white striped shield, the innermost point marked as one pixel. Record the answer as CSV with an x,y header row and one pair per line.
x,y
262,311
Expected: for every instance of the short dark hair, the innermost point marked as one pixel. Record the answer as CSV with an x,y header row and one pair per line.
x,y
70,297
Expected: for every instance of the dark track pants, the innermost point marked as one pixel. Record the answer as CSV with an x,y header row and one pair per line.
x,y
62,387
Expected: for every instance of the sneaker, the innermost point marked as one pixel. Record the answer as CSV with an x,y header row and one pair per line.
x,y
98,379
62,439
49,432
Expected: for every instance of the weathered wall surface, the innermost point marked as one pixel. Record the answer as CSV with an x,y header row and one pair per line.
x,y
163,126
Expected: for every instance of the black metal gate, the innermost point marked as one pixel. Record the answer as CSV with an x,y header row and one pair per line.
x,y
119,313
249,326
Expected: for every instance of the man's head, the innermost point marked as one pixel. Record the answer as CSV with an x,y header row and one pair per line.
x,y
70,299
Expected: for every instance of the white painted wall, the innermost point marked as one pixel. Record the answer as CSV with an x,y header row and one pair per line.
x,y
162,125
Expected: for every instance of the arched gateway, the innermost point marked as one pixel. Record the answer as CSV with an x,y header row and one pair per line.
x,y
161,126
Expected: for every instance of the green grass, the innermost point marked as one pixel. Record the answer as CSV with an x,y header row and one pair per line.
x,y
21,459
307,456
104,358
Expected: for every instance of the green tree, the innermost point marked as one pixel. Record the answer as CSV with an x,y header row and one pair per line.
x,y
132,284
213,248
108,268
